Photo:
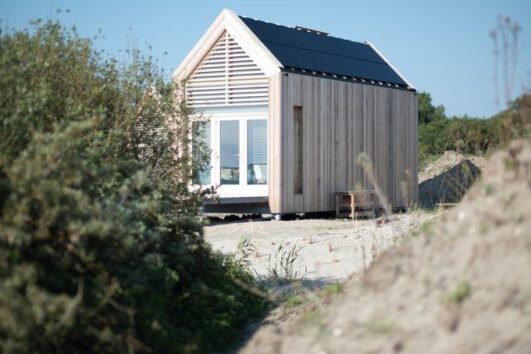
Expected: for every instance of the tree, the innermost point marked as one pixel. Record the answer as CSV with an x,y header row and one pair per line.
x,y
427,111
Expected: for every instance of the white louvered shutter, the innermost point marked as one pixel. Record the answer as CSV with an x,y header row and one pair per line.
x,y
227,76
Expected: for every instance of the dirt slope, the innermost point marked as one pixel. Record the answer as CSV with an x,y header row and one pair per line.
x,y
448,160
462,285
449,186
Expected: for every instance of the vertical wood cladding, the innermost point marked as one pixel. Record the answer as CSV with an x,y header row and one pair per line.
x,y
341,120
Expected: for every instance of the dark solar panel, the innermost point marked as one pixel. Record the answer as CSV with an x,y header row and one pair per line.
x,y
315,52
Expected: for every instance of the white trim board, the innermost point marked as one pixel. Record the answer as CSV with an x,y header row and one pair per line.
x,y
232,111
242,189
228,21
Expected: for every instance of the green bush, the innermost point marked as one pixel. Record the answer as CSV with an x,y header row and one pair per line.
x,y
468,135
428,113
99,247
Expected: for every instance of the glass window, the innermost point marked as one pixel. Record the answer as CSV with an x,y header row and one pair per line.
x,y
201,152
229,161
257,151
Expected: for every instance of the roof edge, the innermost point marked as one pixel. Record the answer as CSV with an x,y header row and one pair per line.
x,y
211,35
253,39
349,79
229,21
391,65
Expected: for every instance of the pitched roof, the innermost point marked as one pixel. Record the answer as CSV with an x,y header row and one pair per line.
x,y
313,52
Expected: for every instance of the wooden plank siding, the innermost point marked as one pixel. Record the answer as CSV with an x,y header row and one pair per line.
x,y
274,178
340,120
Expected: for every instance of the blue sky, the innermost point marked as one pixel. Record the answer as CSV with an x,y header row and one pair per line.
x,y
442,47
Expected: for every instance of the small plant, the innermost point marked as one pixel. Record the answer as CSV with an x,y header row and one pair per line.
x,y
488,189
294,300
380,326
424,228
245,248
332,289
510,164
461,292
281,264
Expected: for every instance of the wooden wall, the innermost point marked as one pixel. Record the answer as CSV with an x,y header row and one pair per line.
x,y
341,120
274,177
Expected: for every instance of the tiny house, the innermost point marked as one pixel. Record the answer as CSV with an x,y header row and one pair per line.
x,y
288,112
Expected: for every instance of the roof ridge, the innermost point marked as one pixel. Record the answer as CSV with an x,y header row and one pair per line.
x,y
295,29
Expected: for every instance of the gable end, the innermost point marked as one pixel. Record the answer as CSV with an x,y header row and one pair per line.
x,y
227,76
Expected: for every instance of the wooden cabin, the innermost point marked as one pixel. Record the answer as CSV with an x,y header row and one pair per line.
x,y
290,109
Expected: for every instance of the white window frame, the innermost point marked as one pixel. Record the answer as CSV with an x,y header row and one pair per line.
x,y
242,189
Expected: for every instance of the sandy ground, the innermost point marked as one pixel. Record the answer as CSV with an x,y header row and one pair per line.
x,y
326,249
460,284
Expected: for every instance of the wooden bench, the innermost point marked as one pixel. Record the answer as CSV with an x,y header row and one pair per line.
x,y
356,204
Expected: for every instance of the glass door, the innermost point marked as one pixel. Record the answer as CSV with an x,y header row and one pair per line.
x,y
229,152
238,159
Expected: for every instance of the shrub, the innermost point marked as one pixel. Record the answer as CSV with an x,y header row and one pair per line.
x,y
99,247
469,135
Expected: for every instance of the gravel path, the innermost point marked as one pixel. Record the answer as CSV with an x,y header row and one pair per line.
x,y
326,249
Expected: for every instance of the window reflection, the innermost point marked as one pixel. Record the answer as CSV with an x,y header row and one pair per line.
x,y
201,152
230,152
257,151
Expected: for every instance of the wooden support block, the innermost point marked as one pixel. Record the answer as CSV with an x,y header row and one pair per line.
x,y
355,204
362,203
342,204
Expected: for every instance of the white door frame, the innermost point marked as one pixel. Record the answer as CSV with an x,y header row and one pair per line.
x,y
242,189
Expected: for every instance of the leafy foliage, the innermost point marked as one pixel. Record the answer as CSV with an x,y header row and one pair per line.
x,y
99,248
438,133
427,111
